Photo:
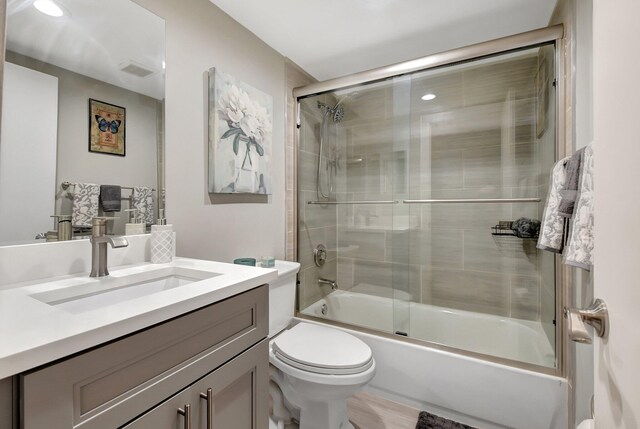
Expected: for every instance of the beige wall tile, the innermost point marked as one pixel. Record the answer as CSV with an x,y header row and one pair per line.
x,y
308,170
525,298
436,248
308,239
447,169
345,273
363,245
467,290
388,277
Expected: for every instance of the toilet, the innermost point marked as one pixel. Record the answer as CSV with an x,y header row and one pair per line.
x,y
314,368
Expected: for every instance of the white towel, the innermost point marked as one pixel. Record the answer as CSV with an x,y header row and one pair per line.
x,y
552,230
579,252
142,199
85,204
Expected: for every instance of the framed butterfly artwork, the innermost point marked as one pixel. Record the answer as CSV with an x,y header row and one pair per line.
x,y
107,128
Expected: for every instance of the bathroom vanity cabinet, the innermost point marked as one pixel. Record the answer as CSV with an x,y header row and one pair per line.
x,y
204,369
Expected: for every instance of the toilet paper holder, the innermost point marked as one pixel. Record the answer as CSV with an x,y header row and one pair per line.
x,y
596,315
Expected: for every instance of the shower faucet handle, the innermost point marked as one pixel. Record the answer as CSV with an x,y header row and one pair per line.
x,y
320,255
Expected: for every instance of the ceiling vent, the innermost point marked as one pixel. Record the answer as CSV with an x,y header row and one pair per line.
x,y
136,69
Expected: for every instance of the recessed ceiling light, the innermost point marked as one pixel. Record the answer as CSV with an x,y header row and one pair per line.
x,y
164,65
428,97
48,8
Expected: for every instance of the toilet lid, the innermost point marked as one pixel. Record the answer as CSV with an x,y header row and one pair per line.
x,y
322,350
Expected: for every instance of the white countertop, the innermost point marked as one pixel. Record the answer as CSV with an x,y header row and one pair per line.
x,y
33,333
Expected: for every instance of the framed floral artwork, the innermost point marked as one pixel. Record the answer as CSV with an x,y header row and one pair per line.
x,y
240,128
107,128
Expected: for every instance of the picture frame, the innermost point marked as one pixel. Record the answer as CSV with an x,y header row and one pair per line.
x,y
240,126
107,128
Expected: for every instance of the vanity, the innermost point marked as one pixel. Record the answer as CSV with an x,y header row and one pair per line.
x,y
178,345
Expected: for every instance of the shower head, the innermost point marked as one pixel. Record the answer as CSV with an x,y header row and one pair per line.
x,y
337,111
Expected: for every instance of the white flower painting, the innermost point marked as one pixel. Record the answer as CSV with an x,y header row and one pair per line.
x,y
240,126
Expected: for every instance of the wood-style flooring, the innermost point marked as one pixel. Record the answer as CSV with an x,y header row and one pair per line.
x,y
367,411
372,412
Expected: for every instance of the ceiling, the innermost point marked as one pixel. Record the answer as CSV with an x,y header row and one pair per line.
x,y
93,40
333,38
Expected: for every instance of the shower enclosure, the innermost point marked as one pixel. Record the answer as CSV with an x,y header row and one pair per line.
x,y
409,181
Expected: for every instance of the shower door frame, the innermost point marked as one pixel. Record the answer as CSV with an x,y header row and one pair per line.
x,y
548,35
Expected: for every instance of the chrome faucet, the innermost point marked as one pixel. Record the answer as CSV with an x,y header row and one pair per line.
x,y
99,241
332,283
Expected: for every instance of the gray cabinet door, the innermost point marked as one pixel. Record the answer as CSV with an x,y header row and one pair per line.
x,y
238,399
113,384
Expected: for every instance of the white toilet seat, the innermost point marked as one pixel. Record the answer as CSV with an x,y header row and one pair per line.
x,y
322,350
315,369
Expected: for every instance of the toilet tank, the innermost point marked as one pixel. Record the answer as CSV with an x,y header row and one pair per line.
x,y
282,296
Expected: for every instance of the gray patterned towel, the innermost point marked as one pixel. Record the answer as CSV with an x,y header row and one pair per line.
x,y
142,199
431,421
552,230
579,252
85,204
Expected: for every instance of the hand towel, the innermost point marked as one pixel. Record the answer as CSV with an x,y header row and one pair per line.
x,y
85,204
569,192
110,198
579,252
552,230
142,199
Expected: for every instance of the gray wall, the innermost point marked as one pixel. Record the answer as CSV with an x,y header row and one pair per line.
x,y
201,36
74,161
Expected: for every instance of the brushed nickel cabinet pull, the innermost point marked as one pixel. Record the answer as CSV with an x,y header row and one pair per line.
x,y
209,398
186,412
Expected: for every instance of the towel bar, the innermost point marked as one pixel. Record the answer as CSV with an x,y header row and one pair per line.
x,y
65,185
474,201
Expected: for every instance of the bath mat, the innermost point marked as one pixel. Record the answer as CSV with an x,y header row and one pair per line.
x,y
431,421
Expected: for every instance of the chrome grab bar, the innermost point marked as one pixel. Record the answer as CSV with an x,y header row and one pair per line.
x,y
474,201
353,202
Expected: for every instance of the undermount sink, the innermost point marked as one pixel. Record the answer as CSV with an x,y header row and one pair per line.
x,y
82,294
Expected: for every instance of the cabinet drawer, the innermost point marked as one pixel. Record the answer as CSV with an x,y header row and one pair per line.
x,y
112,384
238,399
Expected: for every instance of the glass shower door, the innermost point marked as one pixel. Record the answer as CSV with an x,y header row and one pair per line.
x,y
415,186
404,277
483,144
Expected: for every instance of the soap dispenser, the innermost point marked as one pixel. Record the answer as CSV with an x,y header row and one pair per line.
x,y
162,243
134,226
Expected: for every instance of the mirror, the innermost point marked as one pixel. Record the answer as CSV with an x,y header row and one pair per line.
x,y
83,103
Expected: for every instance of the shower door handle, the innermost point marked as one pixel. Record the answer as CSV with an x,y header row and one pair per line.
x,y
597,315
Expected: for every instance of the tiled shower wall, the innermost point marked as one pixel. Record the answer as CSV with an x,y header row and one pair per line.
x,y
316,223
478,139
295,77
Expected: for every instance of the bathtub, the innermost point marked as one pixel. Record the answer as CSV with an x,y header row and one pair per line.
x,y
467,389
